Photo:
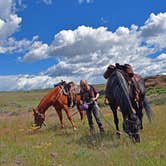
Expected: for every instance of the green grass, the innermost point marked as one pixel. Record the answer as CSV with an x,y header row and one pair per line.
x,y
157,95
51,145
156,90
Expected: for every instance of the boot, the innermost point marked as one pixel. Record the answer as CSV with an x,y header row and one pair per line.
x,y
92,130
101,130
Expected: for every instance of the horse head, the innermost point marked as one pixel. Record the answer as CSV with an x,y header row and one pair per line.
x,y
39,118
131,126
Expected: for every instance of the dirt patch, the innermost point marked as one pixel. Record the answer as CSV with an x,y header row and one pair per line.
x,y
5,131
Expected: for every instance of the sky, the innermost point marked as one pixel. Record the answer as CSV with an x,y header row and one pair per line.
x,y
45,41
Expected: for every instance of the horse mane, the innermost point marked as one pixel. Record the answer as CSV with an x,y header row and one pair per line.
x,y
46,100
117,91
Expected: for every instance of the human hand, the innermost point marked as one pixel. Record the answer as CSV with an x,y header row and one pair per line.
x,y
94,99
106,102
81,102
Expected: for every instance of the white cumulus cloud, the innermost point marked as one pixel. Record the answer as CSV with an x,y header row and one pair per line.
x,y
154,26
38,51
86,1
10,23
47,2
85,52
28,82
9,20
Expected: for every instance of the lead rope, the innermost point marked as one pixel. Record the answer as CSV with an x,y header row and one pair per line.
x,y
110,125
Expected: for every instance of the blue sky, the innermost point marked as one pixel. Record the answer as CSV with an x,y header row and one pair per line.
x,y
44,41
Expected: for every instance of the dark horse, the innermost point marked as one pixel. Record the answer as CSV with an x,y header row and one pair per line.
x,y
119,93
59,100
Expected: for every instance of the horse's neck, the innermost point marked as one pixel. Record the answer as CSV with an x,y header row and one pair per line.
x,y
77,98
44,104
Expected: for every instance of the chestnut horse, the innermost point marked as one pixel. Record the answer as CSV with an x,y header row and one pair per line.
x,y
59,101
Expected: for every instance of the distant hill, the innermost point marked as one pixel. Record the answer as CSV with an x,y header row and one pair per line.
x,y
153,81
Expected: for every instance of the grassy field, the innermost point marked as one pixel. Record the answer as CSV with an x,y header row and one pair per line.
x,y
52,146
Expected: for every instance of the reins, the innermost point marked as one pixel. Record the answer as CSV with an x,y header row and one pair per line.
x,y
73,114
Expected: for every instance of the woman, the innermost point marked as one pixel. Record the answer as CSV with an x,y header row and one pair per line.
x,y
89,96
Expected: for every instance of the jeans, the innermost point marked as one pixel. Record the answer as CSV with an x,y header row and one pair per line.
x,y
93,109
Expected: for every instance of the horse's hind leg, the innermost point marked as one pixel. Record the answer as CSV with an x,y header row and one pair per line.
x,y
69,117
80,112
140,114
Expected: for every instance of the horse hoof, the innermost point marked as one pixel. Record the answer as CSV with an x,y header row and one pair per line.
x,y
137,138
62,127
118,134
74,128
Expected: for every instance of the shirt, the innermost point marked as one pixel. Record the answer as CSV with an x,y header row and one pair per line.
x,y
87,95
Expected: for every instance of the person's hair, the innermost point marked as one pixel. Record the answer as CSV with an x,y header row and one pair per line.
x,y
83,83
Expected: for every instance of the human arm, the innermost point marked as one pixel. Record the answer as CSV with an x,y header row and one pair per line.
x,y
96,97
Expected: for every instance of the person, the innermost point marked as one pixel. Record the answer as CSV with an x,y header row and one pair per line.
x,y
89,96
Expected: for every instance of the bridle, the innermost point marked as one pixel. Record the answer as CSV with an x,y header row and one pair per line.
x,y
40,119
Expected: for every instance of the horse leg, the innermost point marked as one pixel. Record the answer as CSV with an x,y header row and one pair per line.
x,y
116,120
80,112
140,114
69,117
59,112
138,108
60,118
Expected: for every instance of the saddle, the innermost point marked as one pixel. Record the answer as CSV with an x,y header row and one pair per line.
x,y
136,83
60,83
65,87
66,91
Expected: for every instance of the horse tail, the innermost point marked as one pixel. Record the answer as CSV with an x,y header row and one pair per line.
x,y
147,108
125,89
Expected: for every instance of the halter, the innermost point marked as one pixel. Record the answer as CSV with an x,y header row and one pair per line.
x,y
40,115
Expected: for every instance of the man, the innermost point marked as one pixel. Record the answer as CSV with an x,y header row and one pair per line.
x,y
89,96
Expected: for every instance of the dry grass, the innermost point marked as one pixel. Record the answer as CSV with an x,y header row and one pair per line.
x,y
53,146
